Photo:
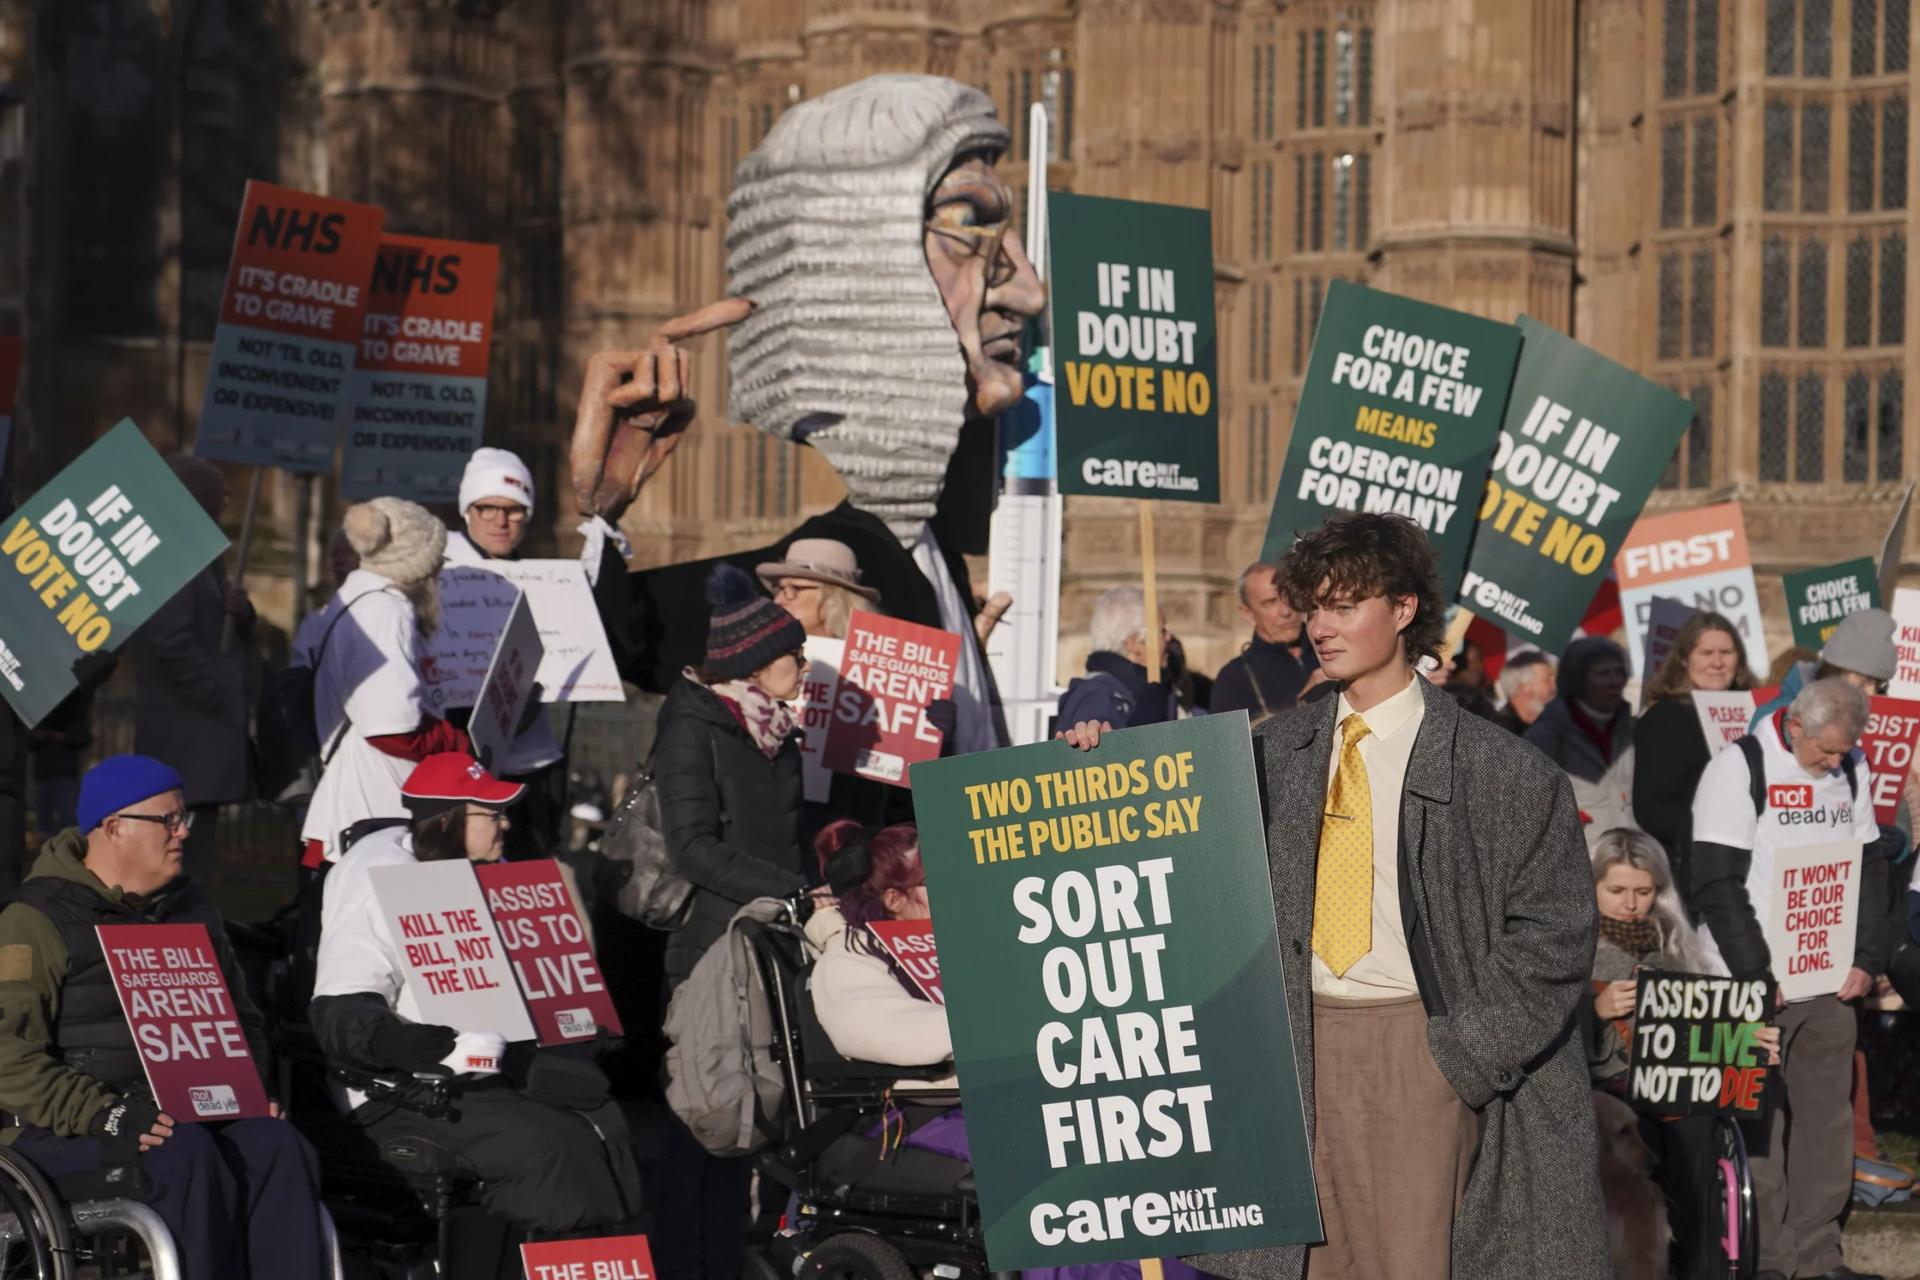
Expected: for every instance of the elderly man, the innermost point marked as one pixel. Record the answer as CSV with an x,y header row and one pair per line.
x,y
1115,688
1798,779
1272,668
70,1074
925,298
1526,682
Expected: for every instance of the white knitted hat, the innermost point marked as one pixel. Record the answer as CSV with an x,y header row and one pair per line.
x,y
397,539
496,473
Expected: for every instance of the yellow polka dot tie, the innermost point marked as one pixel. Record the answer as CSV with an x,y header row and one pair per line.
x,y
1343,885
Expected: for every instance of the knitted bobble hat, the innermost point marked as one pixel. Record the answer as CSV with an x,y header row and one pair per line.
x,y
397,539
747,631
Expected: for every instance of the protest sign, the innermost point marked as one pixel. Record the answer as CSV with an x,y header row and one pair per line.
x,y
1695,1050
1584,442
1894,545
1893,729
184,1025
295,301
1135,414
89,558
890,671
1813,915
1700,558
910,944
456,970
576,663
509,685
1399,412
1665,617
12,351
1724,715
1119,1018
547,944
814,713
1818,598
600,1258
418,394
1906,643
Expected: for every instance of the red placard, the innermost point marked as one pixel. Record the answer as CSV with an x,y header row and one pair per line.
x,y
430,308
183,1021
549,949
603,1258
12,350
910,943
1893,729
890,671
301,263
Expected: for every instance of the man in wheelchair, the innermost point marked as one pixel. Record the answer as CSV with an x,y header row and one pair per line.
x,y
540,1130
70,1076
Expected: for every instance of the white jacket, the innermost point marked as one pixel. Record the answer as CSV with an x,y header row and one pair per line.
x,y
863,1008
357,952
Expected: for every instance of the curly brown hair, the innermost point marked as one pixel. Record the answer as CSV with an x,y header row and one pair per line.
x,y
1357,555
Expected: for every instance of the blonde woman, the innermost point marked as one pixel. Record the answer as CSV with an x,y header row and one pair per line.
x,y
818,582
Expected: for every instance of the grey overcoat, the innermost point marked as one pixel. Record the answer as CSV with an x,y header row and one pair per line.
x,y
1497,897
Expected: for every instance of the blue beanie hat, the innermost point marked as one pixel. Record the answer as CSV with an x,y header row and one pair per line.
x,y
120,781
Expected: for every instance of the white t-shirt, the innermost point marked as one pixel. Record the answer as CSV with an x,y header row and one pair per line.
x,y
1802,808
369,677
538,747
357,953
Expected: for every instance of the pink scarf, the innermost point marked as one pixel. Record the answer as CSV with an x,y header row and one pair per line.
x,y
768,722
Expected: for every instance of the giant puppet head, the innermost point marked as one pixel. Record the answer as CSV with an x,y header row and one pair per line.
x,y
890,294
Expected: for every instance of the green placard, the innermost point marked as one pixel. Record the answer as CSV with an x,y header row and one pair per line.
x,y
88,559
1585,441
1818,598
1112,974
1399,412
1136,410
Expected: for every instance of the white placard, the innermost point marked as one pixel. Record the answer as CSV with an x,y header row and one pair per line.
x,y
474,602
1906,643
1724,716
508,686
1813,916
454,961
814,708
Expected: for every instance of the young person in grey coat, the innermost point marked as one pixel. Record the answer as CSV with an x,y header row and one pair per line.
x,y
1437,1054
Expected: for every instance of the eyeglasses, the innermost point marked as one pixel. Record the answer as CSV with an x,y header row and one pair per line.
x,y
177,823
498,512
794,590
497,816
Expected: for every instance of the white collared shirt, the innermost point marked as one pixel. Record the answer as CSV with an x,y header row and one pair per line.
x,y
1386,971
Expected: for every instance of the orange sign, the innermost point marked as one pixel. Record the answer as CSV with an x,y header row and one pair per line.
x,y
431,307
1683,544
300,264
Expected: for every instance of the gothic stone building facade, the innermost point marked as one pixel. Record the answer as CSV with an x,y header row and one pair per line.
x,y
1715,192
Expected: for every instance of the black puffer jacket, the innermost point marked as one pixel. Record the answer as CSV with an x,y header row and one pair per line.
x,y
731,816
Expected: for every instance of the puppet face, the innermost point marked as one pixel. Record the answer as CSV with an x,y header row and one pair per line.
x,y
989,286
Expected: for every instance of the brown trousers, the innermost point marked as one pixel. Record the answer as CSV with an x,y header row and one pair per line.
x,y
1393,1144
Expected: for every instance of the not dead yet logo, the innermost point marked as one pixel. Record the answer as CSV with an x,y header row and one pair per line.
x,y
213,1100
1791,804
575,1024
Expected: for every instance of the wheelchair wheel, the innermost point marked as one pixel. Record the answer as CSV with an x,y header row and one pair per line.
x,y
36,1241
1738,1215
854,1255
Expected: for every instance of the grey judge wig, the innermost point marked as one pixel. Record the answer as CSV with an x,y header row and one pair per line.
x,y
850,347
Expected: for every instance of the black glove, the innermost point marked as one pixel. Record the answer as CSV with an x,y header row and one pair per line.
x,y
410,1046
122,1123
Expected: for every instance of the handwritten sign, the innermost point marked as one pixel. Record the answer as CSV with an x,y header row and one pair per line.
x,y
815,712
1724,715
1893,730
548,947
889,672
602,1258
576,663
910,944
1695,1049
177,1004
1813,916
455,965
295,301
508,687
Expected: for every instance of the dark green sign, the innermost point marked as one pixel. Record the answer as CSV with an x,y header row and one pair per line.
x,y
1399,412
88,559
1112,976
1818,598
1136,410
1585,441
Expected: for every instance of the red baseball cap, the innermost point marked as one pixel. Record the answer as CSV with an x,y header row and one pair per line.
x,y
453,777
